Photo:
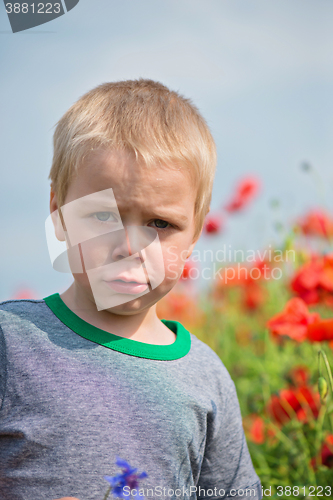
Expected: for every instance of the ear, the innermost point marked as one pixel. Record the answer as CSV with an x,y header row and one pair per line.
x,y
190,250
56,219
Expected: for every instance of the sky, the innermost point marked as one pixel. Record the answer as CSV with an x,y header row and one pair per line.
x,y
260,72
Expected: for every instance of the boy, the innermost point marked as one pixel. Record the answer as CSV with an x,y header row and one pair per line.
x,y
92,373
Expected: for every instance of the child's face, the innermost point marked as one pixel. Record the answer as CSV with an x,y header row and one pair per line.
x,y
158,198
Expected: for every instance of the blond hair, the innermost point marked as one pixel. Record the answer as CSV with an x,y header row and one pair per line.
x,y
143,116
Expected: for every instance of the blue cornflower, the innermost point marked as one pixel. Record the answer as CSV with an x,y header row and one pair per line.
x,y
128,477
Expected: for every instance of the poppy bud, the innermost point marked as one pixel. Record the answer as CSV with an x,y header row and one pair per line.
x,y
323,390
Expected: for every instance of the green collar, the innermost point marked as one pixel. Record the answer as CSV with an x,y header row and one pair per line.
x,y
177,350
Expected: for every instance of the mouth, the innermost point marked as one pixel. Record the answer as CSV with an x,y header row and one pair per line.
x,y
127,286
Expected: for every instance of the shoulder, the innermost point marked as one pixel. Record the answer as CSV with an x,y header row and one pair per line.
x,y
18,311
210,366
20,306
206,355
19,303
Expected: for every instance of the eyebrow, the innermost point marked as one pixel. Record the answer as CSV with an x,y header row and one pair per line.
x,y
101,205
171,215
160,214
102,201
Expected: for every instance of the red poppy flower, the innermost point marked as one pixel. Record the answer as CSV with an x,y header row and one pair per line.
x,y
290,402
254,296
320,331
186,274
326,453
213,224
244,275
299,376
293,321
24,293
254,427
248,278
317,223
276,407
245,191
314,280
312,398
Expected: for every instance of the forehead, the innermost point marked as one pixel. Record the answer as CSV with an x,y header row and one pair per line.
x,y
132,182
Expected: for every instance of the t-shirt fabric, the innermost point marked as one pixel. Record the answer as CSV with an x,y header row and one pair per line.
x,y
74,397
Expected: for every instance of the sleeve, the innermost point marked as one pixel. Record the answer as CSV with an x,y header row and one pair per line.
x,y
3,367
227,470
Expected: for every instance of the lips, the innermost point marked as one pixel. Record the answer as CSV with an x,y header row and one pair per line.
x,y
126,285
130,287
127,279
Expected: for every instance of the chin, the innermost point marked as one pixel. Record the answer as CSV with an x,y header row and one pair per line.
x,y
128,308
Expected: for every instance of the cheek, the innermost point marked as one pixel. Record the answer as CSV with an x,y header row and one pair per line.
x,y
94,255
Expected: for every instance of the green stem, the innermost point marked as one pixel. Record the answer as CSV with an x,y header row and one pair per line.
x,y
265,388
107,493
319,428
328,368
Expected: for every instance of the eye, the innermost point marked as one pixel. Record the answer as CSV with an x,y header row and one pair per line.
x,y
105,216
161,224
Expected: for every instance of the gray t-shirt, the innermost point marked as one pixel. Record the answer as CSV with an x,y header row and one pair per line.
x,y
73,398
